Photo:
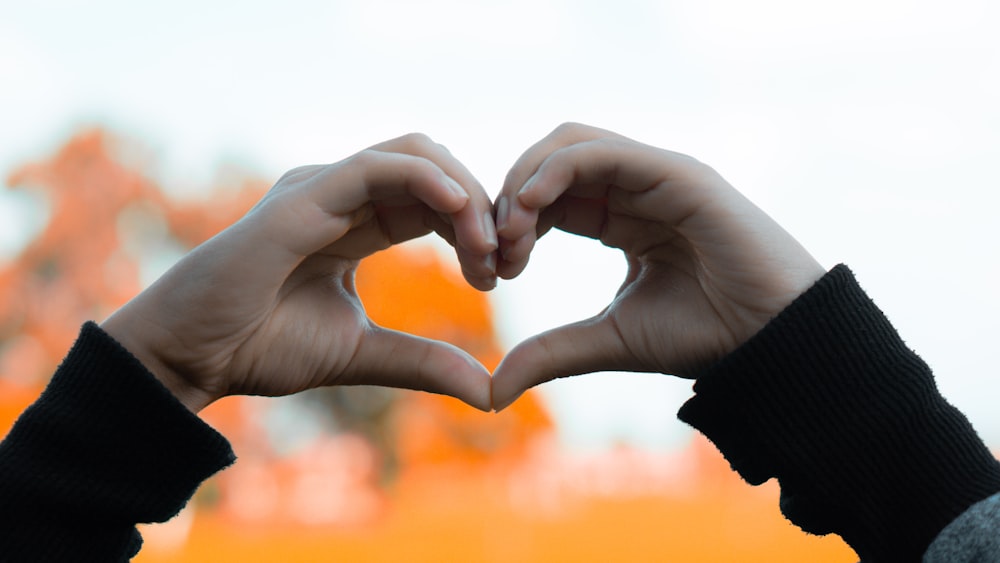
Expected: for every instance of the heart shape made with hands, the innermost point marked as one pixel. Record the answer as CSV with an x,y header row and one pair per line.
x,y
706,268
430,301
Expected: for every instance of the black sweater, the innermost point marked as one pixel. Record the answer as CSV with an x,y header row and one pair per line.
x,y
106,446
829,400
826,398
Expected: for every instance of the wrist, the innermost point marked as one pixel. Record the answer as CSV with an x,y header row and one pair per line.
x,y
133,338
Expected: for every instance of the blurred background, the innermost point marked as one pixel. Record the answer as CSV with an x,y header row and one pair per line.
x,y
133,131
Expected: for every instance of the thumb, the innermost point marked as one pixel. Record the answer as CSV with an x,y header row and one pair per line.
x,y
397,359
587,346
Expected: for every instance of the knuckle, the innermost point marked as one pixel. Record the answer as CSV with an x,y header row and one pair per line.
x,y
422,168
613,145
698,168
568,128
364,159
297,172
415,141
512,176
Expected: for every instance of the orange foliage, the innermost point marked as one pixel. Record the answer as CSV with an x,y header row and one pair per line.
x,y
414,291
81,266
410,476
74,270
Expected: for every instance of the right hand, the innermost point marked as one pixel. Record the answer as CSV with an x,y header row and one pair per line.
x,y
706,268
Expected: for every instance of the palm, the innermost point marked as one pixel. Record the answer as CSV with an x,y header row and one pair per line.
x,y
666,322
679,309
299,330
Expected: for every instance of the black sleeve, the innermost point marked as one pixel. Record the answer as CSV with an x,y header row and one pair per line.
x,y
829,400
106,446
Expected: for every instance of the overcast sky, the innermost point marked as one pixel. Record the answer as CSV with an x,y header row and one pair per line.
x,y
869,129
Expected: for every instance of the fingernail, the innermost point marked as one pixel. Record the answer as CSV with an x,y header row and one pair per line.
x,y
528,186
456,188
489,230
505,249
503,213
491,262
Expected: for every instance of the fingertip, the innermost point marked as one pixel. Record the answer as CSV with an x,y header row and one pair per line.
x,y
516,219
503,404
475,233
482,284
479,270
456,189
490,262
489,230
509,271
528,186
488,407
503,214
586,346
514,256
482,398
398,359
530,196
479,403
507,382
474,387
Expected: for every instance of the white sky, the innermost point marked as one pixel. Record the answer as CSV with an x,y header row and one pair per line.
x,y
870,129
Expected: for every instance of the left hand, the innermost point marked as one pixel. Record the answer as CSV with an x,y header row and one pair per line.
x,y
268,306
707,269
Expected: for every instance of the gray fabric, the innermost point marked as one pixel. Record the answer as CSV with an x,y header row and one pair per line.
x,y
973,537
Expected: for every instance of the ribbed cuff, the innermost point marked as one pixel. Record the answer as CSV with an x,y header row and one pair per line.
x,y
104,447
828,399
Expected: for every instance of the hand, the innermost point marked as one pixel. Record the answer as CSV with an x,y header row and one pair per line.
x,y
268,306
706,268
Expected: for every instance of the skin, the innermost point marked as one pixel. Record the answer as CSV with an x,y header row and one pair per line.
x,y
707,268
268,307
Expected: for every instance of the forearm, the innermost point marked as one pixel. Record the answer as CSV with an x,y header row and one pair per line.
x,y
105,447
830,401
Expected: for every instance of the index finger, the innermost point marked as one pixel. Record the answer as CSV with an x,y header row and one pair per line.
x,y
475,237
516,223
513,218
310,208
